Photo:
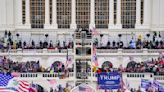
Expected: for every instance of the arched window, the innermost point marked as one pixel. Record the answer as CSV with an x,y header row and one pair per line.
x,y
23,11
142,11
107,64
131,64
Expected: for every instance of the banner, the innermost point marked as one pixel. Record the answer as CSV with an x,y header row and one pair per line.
x,y
109,80
145,83
158,86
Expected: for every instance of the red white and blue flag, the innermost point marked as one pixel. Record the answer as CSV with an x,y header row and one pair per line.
x,y
33,88
94,31
23,86
52,82
68,60
94,57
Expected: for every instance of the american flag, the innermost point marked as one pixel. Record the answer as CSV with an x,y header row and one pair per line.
x,y
4,79
23,86
33,88
94,32
52,82
68,59
95,56
124,85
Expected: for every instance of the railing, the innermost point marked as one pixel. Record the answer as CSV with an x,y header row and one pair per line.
x,y
88,75
138,75
98,51
107,50
130,50
159,77
45,75
36,51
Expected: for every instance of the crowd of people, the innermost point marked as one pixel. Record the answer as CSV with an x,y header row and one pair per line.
x,y
9,66
155,66
7,42
59,88
157,42
153,42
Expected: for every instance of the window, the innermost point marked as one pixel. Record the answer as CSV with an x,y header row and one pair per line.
x,y
37,13
115,11
23,11
64,13
128,13
50,6
142,11
82,13
101,13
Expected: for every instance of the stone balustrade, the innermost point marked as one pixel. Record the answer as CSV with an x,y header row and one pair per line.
x,y
44,75
98,51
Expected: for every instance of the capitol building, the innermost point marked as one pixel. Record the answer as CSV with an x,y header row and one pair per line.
x,y
70,41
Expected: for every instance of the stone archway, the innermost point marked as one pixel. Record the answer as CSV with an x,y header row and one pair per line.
x,y
57,66
39,88
107,65
83,88
131,64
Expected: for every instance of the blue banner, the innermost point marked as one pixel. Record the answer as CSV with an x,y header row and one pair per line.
x,y
145,83
161,88
109,80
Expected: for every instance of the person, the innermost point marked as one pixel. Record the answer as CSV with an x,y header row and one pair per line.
x,y
51,89
114,44
108,44
24,44
33,44
132,44
51,44
41,44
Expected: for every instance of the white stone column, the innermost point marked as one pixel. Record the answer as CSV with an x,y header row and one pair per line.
x,y
18,14
118,24
92,14
138,14
3,12
111,14
147,14
47,15
73,14
27,24
54,15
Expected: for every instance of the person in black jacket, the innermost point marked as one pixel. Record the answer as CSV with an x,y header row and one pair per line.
x,y
114,44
